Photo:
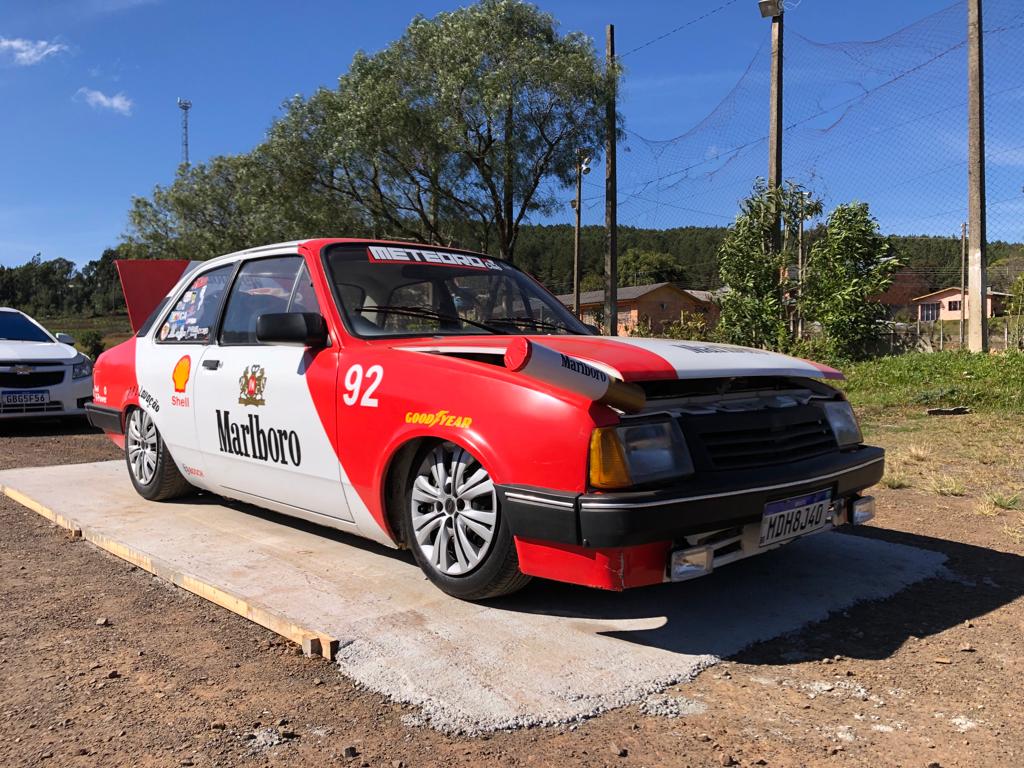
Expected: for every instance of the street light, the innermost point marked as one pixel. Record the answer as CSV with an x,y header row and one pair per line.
x,y
770,8
583,159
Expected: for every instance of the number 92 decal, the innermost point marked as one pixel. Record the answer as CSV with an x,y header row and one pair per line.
x,y
354,380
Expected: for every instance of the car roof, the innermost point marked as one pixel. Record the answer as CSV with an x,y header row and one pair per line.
x,y
320,242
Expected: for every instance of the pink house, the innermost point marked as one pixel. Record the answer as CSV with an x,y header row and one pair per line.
x,y
945,304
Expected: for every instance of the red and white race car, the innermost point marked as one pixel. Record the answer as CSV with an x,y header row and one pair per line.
x,y
445,402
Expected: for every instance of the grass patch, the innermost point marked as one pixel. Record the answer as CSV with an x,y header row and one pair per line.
x,y
1015,530
946,485
895,479
917,452
991,383
113,328
1004,501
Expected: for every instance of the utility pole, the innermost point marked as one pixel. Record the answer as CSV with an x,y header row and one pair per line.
x,y
977,277
774,9
611,225
184,105
582,169
963,282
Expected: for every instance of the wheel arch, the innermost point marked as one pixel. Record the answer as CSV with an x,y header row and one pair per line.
x,y
396,473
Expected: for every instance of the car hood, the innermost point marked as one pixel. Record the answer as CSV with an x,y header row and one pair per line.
x,y
35,352
637,359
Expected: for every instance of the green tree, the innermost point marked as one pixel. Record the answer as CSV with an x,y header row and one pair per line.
x,y
234,202
848,265
638,266
755,305
458,130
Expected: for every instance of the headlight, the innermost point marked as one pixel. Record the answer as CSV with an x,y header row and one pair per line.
x,y
82,369
843,422
635,454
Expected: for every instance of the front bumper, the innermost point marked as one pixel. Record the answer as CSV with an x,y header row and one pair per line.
x,y
66,398
107,419
635,538
707,502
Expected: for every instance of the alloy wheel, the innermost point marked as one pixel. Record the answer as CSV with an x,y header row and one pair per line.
x,y
142,446
454,510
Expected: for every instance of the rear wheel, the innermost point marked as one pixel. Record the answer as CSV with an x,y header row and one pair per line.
x,y
455,528
150,465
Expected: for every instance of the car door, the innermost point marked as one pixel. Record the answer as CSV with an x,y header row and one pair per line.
x,y
263,437
166,362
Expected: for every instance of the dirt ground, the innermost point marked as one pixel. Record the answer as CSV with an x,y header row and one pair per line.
x,y
101,664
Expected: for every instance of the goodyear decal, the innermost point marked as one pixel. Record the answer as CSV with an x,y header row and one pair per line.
x,y
439,419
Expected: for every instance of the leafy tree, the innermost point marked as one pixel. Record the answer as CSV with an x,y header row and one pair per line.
x,y
460,129
852,262
754,307
641,267
592,282
230,203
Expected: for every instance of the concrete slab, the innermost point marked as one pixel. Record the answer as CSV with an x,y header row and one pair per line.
x,y
552,653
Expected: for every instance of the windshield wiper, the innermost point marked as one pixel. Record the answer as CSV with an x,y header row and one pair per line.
x,y
518,321
429,313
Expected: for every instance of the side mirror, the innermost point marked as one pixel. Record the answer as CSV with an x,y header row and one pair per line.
x,y
65,338
307,329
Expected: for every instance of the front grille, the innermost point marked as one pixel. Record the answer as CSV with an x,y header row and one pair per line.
x,y
12,380
758,438
51,407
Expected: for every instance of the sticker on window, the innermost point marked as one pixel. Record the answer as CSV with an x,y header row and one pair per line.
x,y
393,255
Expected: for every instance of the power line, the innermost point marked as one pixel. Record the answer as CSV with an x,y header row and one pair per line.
x,y
671,32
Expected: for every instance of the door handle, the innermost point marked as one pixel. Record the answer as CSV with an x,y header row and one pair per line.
x,y
211,365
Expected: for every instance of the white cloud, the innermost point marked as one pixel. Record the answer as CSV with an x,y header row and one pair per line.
x,y
99,100
25,53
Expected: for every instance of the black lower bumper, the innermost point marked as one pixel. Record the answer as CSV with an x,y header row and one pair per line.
x,y
705,502
107,419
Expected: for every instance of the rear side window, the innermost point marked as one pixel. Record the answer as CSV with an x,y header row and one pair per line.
x,y
192,318
266,286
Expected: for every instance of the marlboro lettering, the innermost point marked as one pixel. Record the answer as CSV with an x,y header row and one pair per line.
x,y
572,374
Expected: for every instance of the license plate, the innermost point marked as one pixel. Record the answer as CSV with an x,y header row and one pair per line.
x,y
25,397
788,518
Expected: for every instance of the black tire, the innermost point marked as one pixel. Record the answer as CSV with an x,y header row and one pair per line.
x,y
153,472
495,569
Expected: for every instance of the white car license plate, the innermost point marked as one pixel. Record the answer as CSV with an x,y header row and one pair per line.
x,y
25,397
788,518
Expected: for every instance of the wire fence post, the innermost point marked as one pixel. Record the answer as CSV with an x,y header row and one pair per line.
x,y
963,281
775,124
976,178
611,310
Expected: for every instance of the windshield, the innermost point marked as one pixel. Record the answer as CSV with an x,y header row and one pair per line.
x,y
425,291
14,326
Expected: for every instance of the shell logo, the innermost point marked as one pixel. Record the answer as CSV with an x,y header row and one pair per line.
x,y
182,370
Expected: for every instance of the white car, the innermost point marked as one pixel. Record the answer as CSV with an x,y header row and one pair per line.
x,y
40,374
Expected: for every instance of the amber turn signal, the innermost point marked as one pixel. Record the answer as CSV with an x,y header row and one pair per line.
x,y
608,467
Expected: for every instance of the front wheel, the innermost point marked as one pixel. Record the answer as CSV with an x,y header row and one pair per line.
x,y
455,528
150,465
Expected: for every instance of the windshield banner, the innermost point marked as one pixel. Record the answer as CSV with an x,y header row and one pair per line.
x,y
395,255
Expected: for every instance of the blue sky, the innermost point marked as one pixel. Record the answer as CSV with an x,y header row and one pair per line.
x,y
89,86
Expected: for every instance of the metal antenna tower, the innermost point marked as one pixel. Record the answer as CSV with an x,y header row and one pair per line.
x,y
184,105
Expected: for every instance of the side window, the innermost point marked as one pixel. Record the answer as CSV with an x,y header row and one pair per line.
x,y
263,286
193,316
